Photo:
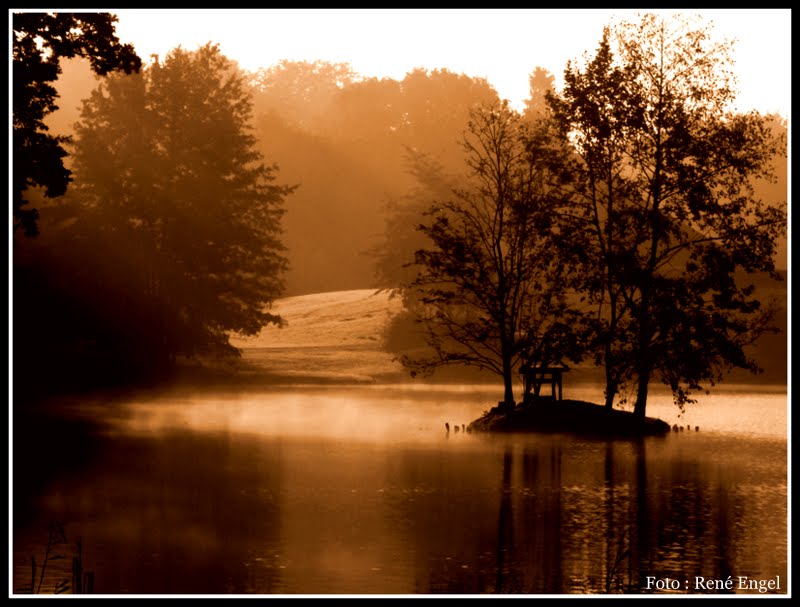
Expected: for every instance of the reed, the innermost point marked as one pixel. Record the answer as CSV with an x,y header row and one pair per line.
x,y
82,582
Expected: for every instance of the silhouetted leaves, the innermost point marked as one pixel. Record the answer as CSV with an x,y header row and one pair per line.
x,y
40,41
664,206
170,182
170,238
493,293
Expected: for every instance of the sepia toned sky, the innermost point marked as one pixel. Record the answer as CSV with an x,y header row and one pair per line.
x,y
502,45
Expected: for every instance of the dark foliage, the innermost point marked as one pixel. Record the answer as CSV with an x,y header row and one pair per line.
x,y
170,238
40,41
664,206
492,292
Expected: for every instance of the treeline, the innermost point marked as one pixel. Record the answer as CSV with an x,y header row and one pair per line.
x,y
348,142
199,192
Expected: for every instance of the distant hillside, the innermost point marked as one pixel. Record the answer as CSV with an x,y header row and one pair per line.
x,y
335,336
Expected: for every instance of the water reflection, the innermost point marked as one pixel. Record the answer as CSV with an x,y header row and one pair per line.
x,y
168,504
565,528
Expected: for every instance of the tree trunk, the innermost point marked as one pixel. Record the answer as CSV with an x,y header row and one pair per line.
x,y
641,390
508,382
611,383
643,365
611,390
509,389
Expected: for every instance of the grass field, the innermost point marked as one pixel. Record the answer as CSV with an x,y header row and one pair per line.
x,y
335,336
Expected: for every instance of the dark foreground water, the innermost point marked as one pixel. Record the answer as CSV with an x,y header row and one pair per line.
x,y
361,490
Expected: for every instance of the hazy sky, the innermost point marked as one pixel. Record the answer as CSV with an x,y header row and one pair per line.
x,y
502,45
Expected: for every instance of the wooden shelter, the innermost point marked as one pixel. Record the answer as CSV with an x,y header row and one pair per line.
x,y
536,377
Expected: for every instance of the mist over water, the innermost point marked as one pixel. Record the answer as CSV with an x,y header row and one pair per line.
x,y
359,489
415,413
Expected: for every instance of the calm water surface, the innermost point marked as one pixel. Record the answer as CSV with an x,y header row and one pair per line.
x,y
351,490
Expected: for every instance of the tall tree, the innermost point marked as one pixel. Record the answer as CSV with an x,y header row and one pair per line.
x,y
172,188
685,207
40,41
597,113
494,293
540,83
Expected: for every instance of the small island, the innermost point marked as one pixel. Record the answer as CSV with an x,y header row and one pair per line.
x,y
539,412
572,416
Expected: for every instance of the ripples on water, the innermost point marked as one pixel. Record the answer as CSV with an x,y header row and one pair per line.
x,y
360,490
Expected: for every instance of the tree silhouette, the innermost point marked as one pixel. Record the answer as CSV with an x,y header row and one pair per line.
x,y
170,187
596,113
494,295
666,201
40,41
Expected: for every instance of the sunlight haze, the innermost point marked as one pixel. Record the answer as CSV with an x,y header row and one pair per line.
x,y
504,46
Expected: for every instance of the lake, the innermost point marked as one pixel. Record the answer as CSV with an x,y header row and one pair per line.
x,y
360,490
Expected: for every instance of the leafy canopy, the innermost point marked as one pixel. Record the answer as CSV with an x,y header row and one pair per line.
x,y
40,41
